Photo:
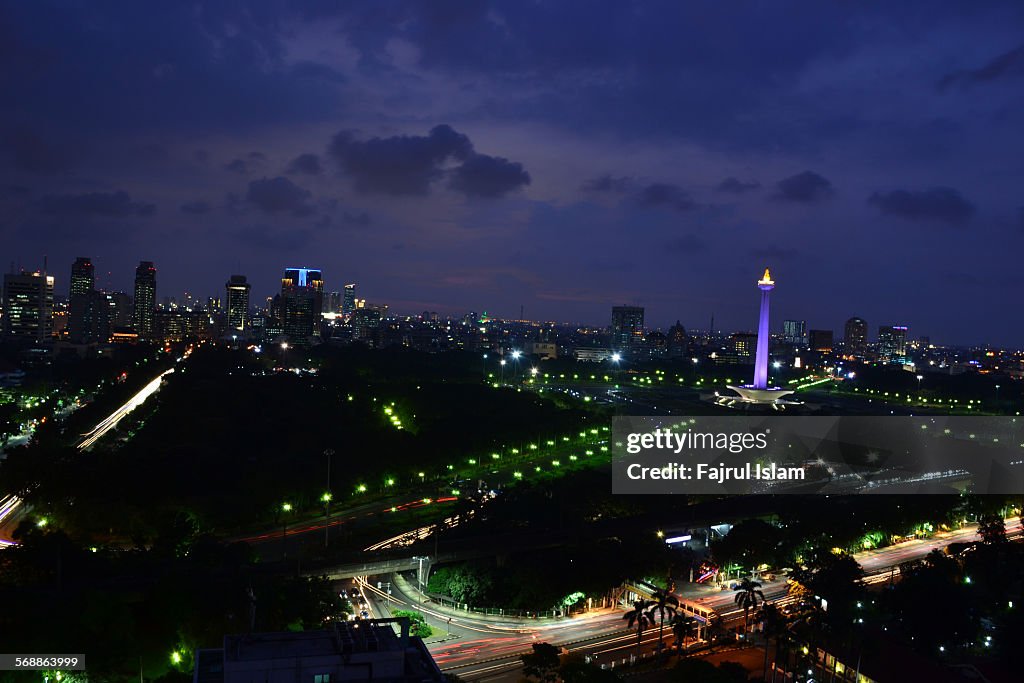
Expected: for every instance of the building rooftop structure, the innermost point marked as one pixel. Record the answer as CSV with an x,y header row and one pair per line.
x,y
366,650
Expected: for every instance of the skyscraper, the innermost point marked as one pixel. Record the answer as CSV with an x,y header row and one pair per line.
x,y
820,340
28,307
82,309
348,301
892,342
301,302
794,332
237,298
627,327
145,299
855,338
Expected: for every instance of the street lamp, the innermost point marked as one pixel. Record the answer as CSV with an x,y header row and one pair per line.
x,y
326,498
919,378
502,364
515,356
286,508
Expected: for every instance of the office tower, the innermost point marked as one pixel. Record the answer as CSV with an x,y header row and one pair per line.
x,y
892,342
145,299
28,307
332,302
237,297
120,309
348,301
627,327
794,332
678,342
855,338
766,285
82,302
301,303
820,340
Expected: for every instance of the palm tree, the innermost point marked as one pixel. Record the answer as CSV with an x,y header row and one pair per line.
x,y
683,626
774,627
638,616
665,604
748,596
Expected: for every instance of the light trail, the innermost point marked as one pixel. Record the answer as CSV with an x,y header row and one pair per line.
x,y
97,433
11,504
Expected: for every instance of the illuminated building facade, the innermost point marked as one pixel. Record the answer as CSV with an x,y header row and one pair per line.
x,y
301,303
348,300
627,327
237,298
28,307
892,342
145,299
855,338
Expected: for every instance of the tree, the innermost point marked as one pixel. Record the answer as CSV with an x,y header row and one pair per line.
x,y
638,616
748,596
542,663
418,625
664,604
992,529
683,626
774,624
575,669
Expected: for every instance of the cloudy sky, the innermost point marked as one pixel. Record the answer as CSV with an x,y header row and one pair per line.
x,y
563,156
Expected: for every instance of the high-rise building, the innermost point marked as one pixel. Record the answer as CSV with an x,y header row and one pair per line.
x,y
28,307
820,340
120,309
332,302
145,299
348,300
627,327
892,342
678,342
794,332
855,338
82,302
237,297
301,302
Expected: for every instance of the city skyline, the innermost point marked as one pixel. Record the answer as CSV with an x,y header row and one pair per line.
x,y
874,331
455,157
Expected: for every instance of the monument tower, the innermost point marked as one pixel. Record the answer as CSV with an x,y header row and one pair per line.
x,y
766,285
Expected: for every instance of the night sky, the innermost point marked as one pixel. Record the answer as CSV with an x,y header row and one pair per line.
x,y
563,156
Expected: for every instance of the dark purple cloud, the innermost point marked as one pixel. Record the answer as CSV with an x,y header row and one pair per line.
x,y
938,204
307,164
736,186
807,187
665,195
608,183
489,177
93,204
196,208
32,153
280,196
1005,65
398,165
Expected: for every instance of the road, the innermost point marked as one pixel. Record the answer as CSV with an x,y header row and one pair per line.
x,y
12,511
482,647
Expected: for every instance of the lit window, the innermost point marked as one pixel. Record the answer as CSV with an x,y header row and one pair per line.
x,y
322,678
